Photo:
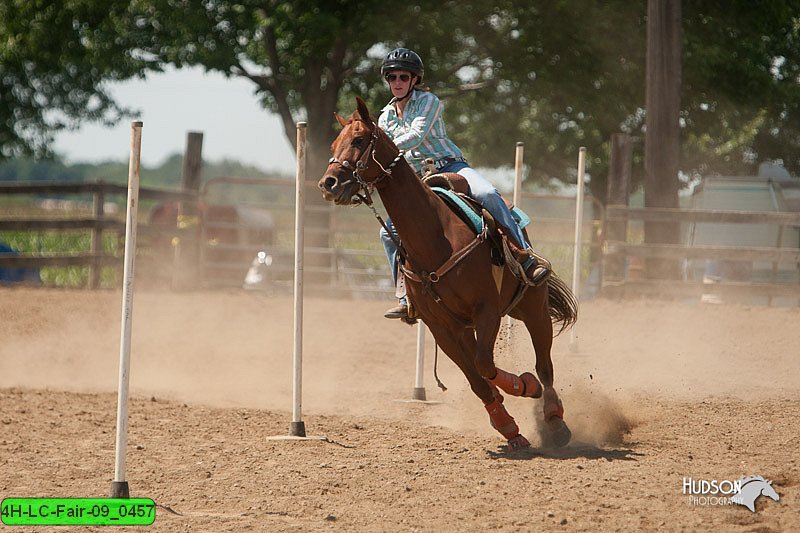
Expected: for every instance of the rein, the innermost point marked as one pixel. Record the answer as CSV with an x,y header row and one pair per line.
x,y
364,195
367,187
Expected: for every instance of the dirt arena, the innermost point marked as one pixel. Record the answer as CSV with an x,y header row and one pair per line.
x,y
655,392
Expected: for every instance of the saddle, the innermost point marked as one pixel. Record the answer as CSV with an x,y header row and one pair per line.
x,y
454,190
453,182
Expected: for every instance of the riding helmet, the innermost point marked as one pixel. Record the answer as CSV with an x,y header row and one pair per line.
x,y
403,59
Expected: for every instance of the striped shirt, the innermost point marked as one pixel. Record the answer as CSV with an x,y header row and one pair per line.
x,y
420,132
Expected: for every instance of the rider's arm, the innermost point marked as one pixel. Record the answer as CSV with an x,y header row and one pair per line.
x,y
420,125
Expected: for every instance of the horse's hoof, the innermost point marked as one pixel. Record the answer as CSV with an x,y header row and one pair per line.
x,y
518,442
533,389
556,434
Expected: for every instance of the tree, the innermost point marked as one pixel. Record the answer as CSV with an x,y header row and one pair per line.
x,y
55,60
555,75
741,87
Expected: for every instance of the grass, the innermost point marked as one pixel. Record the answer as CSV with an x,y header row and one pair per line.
x,y
65,242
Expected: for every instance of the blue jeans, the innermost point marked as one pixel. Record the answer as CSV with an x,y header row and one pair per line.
x,y
485,193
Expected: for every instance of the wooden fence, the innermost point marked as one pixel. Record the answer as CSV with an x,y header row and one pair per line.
x,y
354,261
96,223
623,261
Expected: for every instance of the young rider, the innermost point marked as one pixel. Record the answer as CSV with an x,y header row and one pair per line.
x,y
413,119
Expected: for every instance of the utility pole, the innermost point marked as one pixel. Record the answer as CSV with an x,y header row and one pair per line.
x,y
662,138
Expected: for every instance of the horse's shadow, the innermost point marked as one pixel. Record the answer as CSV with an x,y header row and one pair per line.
x,y
572,451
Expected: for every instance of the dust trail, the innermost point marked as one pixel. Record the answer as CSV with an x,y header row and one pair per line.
x,y
594,418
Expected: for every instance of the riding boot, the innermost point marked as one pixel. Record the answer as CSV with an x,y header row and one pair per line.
x,y
398,311
537,268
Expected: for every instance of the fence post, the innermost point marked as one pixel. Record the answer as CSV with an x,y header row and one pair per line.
x,y
96,246
187,259
619,177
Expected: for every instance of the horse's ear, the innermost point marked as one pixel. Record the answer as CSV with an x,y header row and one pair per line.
x,y
342,122
362,110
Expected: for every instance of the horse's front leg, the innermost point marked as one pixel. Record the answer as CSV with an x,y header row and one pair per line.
x,y
460,348
487,326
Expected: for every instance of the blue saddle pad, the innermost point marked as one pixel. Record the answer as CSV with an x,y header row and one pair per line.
x,y
521,217
469,215
461,208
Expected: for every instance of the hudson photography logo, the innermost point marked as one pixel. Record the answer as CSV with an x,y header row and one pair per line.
x,y
744,491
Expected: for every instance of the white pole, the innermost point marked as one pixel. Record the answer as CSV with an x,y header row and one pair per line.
x,y
518,157
119,487
419,387
297,426
576,256
518,171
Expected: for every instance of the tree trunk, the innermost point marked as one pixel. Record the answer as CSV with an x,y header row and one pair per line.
x,y
620,159
662,139
319,232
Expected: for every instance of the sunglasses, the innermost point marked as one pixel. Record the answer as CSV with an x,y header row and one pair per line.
x,y
403,77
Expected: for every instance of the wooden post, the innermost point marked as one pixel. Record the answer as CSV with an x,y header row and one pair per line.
x,y
193,161
188,246
662,140
619,177
96,246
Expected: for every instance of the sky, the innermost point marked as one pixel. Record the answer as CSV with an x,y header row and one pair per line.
x,y
173,103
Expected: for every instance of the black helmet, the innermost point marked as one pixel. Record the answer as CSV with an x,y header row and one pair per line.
x,y
403,59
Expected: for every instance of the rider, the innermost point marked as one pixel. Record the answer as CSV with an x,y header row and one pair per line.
x,y
413,119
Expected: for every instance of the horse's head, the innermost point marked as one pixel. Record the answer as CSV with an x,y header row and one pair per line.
x,y
353,169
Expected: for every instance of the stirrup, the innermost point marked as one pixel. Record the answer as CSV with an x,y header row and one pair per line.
x,y
539,270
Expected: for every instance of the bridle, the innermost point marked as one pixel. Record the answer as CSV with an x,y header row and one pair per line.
x,y
365,188
427,279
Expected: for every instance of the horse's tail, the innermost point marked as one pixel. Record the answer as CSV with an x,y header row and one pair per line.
x,y
563,304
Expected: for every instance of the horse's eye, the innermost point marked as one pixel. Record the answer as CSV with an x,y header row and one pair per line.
x,y
358,142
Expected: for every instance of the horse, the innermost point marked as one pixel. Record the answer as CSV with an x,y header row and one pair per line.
x,y
449,279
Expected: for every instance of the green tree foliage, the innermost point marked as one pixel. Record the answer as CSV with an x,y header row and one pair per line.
x,y
56,57
741,86
301,55
554,74
165,175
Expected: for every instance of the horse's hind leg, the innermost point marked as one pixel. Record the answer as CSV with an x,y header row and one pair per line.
x,y
533,311
487,326
461,350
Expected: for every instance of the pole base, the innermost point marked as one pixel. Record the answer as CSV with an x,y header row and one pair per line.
x,y
418,394
119,489
297,429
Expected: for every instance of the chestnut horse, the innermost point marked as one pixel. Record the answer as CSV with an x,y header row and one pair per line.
x,y
449,276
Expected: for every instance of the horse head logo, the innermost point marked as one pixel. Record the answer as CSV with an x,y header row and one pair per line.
x,y
751,488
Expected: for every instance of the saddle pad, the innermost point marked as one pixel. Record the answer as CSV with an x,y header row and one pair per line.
x,y
521,217
461,208
471,217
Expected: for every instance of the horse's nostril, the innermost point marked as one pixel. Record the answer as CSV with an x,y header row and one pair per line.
x,y
329,183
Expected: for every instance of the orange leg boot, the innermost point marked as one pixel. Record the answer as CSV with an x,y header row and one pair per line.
x,y
553,408
505,424
524,385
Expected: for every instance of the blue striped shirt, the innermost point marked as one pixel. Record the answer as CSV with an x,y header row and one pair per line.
x,y
420,132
